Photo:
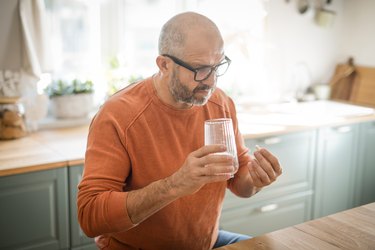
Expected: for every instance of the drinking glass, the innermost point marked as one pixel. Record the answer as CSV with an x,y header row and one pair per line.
x,y
220,131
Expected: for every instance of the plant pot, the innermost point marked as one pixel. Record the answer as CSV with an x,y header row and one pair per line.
x,y
72,106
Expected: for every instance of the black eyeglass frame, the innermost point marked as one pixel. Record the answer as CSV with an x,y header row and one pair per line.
x,y
195,70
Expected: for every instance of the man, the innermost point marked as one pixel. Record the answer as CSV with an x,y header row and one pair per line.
x,y
149,183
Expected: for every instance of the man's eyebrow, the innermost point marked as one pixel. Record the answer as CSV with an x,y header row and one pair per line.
x,y
198,65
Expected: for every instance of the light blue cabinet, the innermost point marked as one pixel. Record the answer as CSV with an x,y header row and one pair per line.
x,y
336,164
78,239
296,153
365,188
286,202
256,218
34,210
325,170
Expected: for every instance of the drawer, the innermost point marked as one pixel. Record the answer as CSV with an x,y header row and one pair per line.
x,y
258,218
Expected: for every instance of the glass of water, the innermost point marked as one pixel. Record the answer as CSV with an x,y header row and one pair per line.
x,y
220,131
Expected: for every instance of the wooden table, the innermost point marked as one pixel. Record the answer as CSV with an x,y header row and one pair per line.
x,y
351,229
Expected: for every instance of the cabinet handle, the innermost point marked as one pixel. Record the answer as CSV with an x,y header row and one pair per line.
x,y
268,208
344,129
272,140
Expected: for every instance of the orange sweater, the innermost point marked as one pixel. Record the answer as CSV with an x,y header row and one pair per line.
x,y
136,139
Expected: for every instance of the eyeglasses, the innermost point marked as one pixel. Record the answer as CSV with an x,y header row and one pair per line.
x,y
202,73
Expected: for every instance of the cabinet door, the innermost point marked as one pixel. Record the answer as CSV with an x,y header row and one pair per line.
x,y
284,203
296,153
34,210
336,163
366,182
79,239
267,216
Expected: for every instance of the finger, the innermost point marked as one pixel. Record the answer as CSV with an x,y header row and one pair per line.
x,y
209,149
272,159
218,169
262,175
216,178
216,159
255,180
265,165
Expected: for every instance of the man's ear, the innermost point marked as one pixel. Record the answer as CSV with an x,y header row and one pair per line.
x,y
162,63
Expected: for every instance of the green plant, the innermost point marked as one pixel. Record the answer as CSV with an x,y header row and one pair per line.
x,y
117,83
61,87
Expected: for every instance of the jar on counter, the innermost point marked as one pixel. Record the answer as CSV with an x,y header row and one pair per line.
x,y
12,118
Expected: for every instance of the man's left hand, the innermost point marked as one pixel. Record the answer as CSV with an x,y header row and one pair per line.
x,y
264,168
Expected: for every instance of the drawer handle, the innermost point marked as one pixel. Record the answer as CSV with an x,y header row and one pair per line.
x,y
344,129
268,208
273,140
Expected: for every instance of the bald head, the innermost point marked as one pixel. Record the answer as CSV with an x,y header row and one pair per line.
x,y
176,33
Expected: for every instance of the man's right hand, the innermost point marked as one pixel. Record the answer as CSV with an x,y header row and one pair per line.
x,y
201,167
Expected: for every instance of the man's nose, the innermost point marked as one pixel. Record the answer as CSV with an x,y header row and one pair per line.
x,y
211,80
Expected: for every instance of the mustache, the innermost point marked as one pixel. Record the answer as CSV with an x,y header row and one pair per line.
x,y
202,87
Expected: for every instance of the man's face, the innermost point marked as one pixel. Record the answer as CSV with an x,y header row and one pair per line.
x,y
198,95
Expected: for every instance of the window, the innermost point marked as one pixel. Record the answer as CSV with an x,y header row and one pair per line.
x,y
113,42
74,35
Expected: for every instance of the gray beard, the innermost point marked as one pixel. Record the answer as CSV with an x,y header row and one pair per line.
x,y
182,94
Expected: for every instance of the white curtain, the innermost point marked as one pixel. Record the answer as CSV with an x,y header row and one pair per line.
x,y
35,57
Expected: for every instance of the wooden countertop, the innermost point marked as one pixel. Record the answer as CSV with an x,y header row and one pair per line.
x,y
350,229
55,148
43,150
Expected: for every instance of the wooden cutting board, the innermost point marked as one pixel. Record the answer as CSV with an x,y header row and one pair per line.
x,y
363,91
355,84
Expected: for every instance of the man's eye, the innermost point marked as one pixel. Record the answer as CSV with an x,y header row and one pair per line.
x,y
204,70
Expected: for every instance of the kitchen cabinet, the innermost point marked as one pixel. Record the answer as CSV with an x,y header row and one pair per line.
x,y
335,169
365,188
78,239
34,210
257,218
296,154
287,201
39,211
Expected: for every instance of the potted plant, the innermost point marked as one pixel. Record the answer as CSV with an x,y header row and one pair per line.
x,y
71,99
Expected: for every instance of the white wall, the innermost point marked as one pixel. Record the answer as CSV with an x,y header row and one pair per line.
x,y
358,34
301,53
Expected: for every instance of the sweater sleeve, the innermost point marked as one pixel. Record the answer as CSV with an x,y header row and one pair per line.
x,y
101,198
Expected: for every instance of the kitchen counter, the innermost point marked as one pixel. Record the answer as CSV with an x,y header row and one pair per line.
x,y
277,119
56,148
43,150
